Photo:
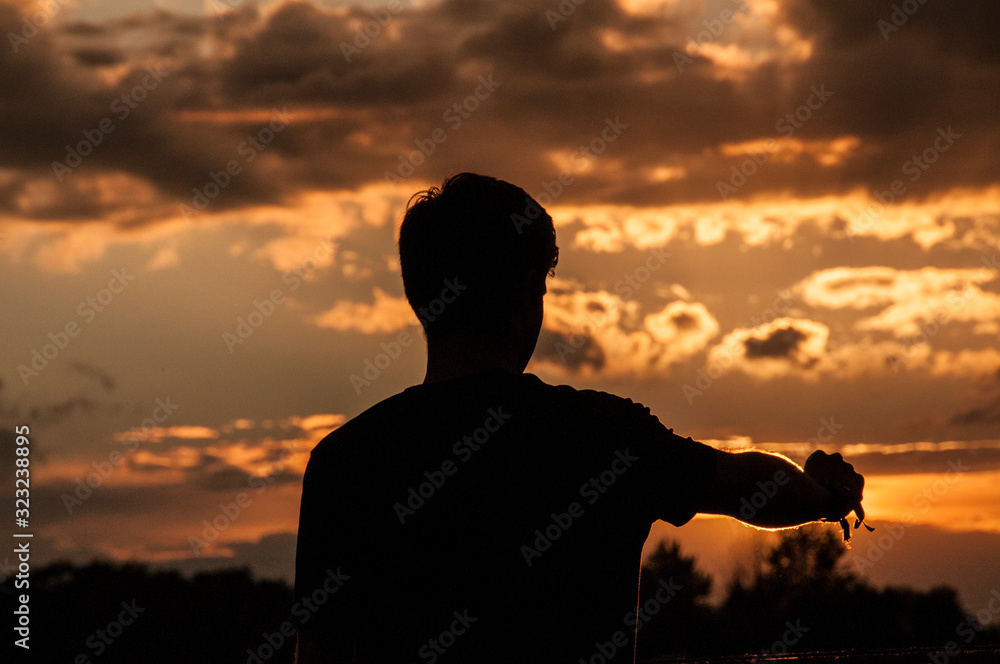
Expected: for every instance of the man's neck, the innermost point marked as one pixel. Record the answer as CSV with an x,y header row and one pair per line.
x,y
461,356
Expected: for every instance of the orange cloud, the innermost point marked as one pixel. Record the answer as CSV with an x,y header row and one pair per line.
x,y
312,222
769,220
385,314
784,346
913,300
786,150
158,434
629,342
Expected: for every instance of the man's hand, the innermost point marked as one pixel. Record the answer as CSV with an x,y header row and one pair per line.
x,y
769,491
844,484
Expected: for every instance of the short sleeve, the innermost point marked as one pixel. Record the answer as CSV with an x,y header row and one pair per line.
x,y
312,545
321,559
672,473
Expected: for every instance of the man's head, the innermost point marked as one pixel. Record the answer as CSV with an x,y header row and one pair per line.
x,y
474,255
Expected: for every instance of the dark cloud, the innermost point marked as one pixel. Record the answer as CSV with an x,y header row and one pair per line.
x,y
781,343
48,414
227,479
895,88
857,21
988,414
49,111
273,556
924,461
573,351
685,322
557,89
98,57
297,56
86,29
984,409
853,282
106,380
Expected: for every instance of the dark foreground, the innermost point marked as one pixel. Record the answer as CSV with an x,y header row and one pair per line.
x,y
969,655
795,597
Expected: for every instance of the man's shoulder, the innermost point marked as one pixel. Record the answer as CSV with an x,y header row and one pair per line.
x,y
519,393
599,402
382,413
524,388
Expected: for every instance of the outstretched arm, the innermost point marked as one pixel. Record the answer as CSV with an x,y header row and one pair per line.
x,y
769,491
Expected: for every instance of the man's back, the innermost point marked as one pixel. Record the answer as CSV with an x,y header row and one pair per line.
x,y
490,518
484,516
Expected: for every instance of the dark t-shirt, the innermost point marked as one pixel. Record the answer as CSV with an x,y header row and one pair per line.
x,y
491,518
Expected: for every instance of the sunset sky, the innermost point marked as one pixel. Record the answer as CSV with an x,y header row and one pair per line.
x,y
779,226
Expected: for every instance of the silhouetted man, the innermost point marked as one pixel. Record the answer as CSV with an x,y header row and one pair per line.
x,y
485,516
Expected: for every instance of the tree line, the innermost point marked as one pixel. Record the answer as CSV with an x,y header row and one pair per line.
x,y
797,596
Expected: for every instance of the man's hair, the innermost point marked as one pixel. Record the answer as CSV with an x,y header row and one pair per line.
x,y
466,248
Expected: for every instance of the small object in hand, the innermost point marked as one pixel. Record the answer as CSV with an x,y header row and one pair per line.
x,y
845,524
821,466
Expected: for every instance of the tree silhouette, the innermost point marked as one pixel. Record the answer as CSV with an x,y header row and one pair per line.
x,y
213,617
677,624
794,596
802,586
